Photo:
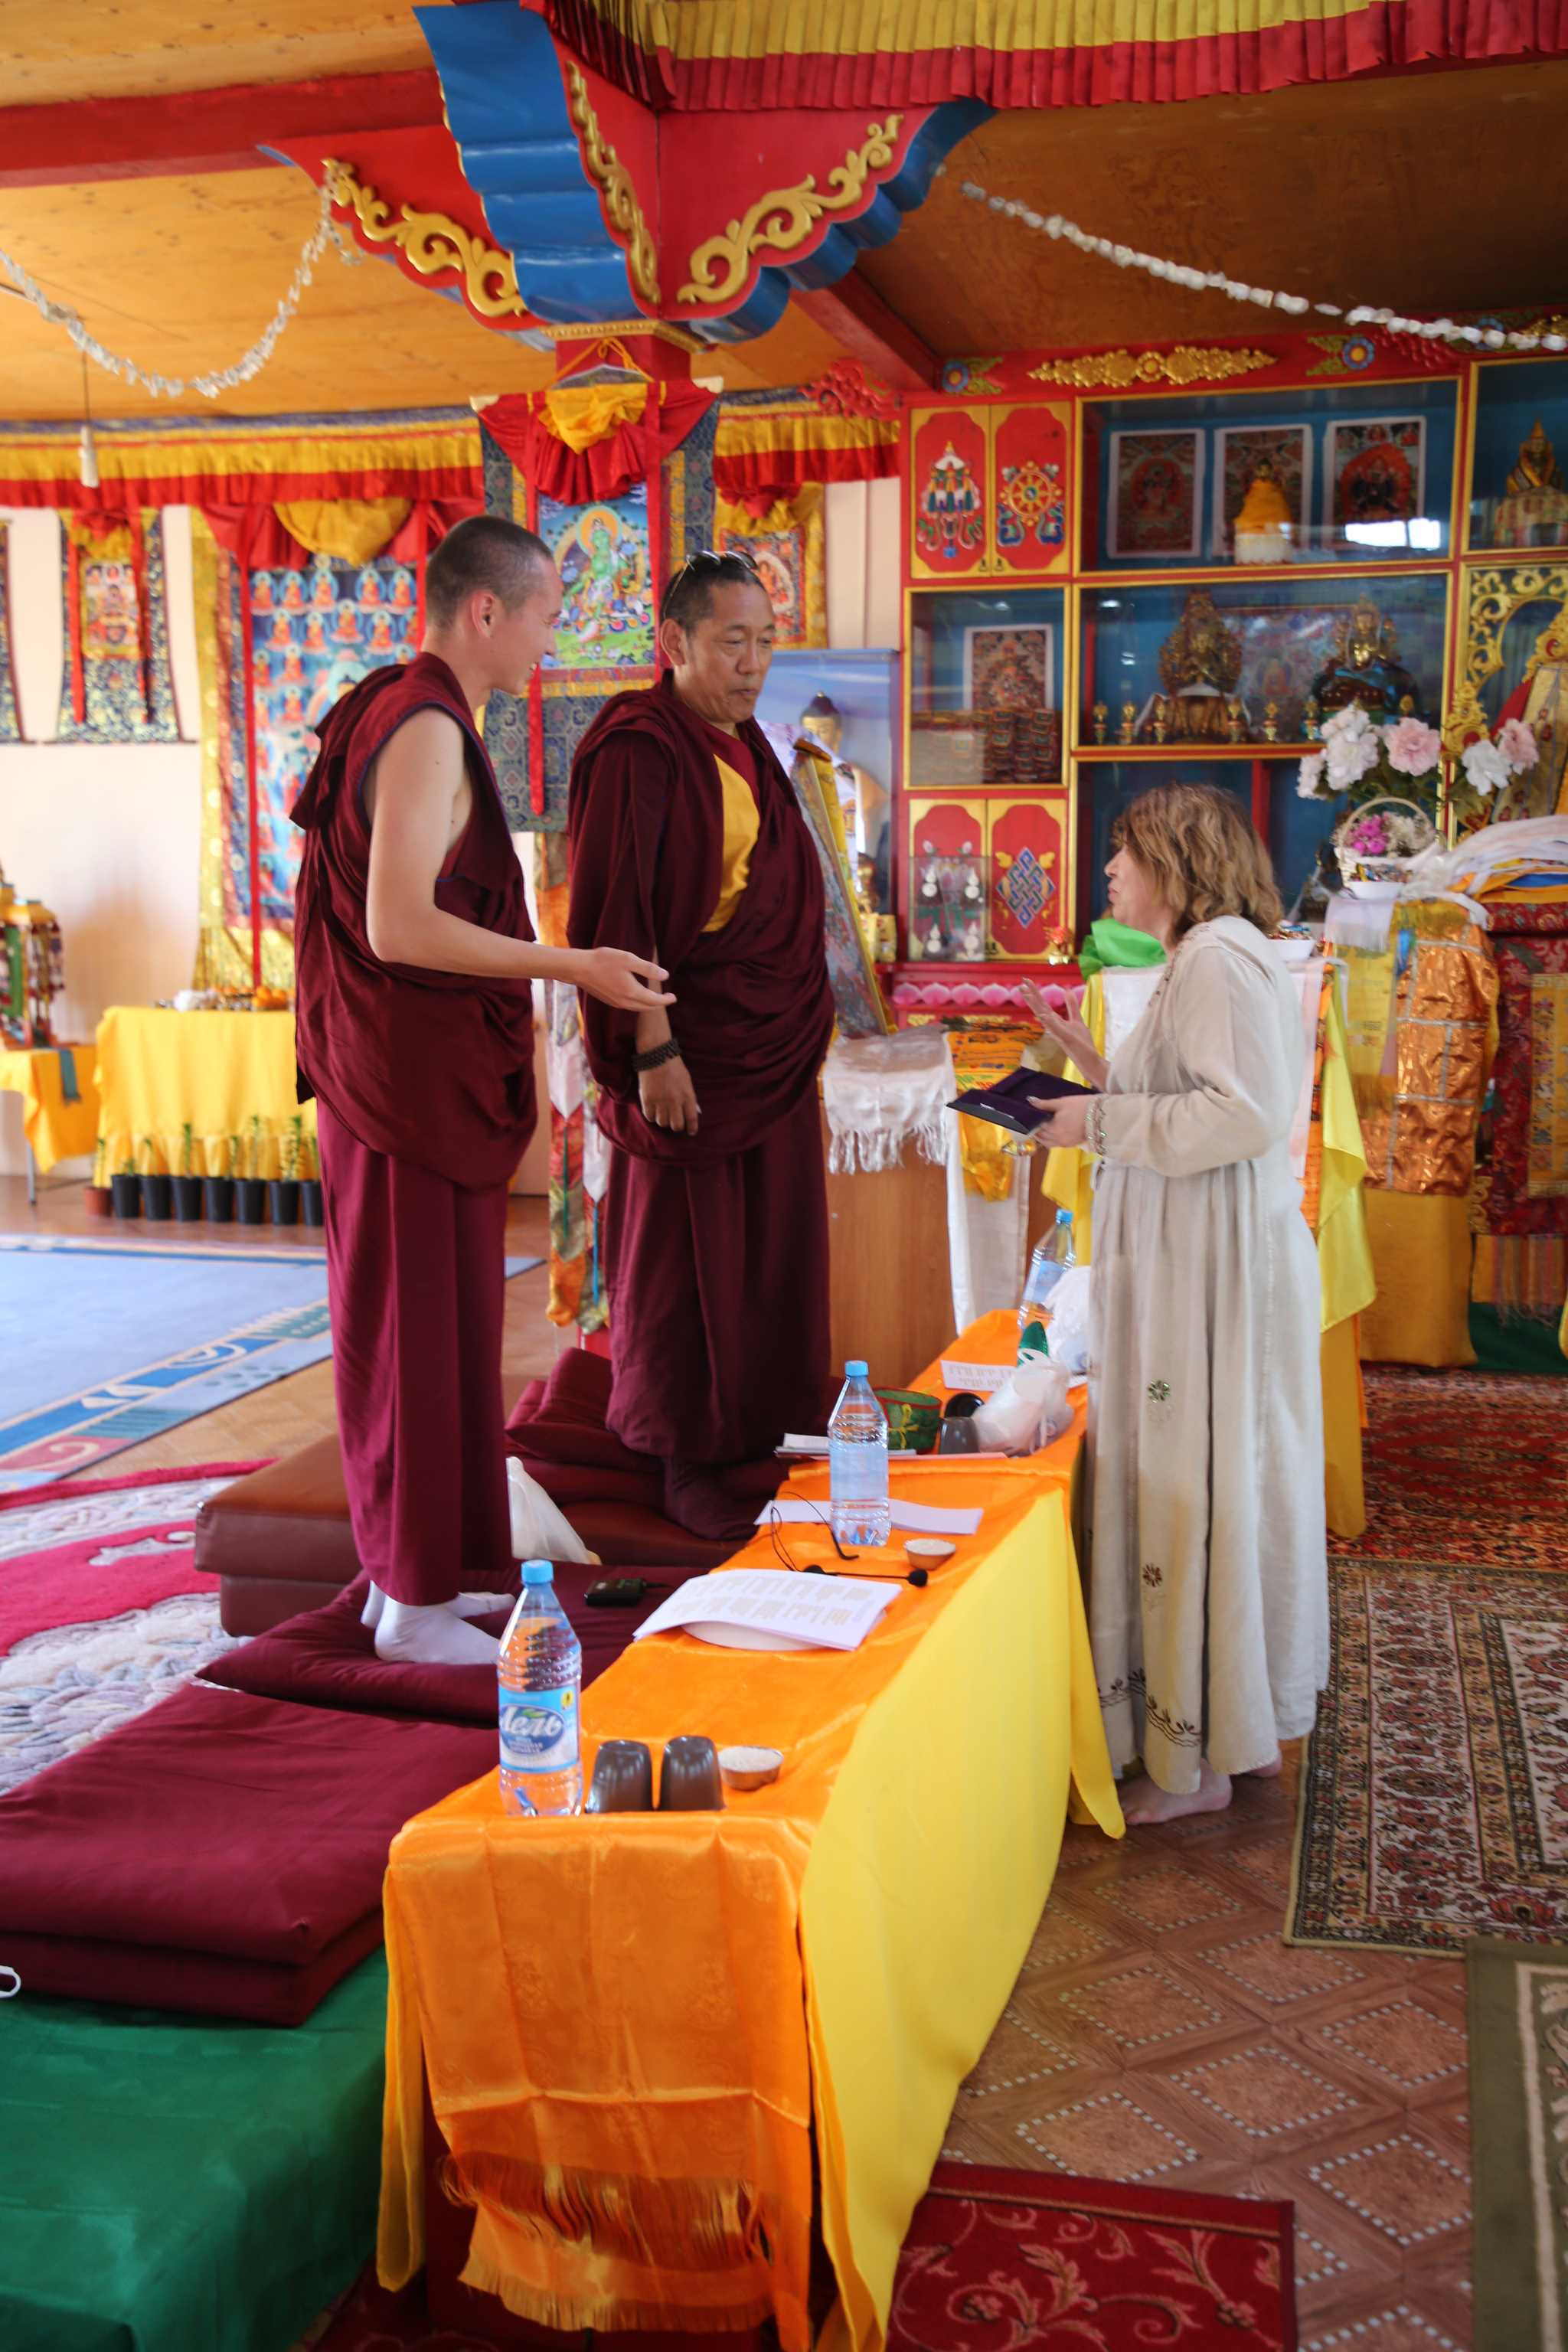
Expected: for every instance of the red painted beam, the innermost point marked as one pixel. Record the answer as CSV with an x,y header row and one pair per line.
x,y
853,312
202,129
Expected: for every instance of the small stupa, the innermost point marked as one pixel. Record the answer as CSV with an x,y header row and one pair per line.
x,y
1265,529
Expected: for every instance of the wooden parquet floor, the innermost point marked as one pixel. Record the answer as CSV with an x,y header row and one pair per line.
x,y
1160,2029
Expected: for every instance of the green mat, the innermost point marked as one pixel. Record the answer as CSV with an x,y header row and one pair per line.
x,y
1524,1343
178,2184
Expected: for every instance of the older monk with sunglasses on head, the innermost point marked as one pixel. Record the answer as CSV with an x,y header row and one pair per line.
x,y
686,831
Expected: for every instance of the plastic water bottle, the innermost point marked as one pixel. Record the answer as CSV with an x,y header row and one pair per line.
x,y
540,1673
857,1463
1053,1254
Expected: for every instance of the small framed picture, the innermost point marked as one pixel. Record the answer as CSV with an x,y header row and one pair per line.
x,y
1010,670
1239,451
1156,494
1376,471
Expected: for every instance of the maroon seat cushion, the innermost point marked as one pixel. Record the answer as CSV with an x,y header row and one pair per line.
x,y
327,1658
559,1423
220,1853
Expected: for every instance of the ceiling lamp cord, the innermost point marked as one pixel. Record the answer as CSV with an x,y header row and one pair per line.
x,y
326,232
1493,339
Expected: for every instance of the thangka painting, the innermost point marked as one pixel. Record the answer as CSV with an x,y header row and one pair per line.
x,y
1239,451
1009,670
10,723
122,701
314,632
1156,494
601,551
1377,471
786,546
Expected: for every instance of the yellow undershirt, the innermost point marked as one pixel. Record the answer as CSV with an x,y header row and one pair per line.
x,y
741,823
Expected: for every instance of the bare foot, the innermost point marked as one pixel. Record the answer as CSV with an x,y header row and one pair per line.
x,y
1146,1802
1265,1772
431,1635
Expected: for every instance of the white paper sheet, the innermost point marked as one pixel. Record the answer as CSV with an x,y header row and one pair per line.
x,y
826,1612
979,1380
910,1518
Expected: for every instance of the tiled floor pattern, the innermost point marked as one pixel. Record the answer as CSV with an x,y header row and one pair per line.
x,y
1160,2032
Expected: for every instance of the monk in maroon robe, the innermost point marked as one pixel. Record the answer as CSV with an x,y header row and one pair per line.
x,y
689,845
414,962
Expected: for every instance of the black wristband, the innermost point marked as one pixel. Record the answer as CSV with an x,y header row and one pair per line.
x,y
668,1051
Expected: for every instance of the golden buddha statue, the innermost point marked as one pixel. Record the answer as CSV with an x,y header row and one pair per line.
x,y
1265,527
1200,663
1534,512
1540,699
1364,668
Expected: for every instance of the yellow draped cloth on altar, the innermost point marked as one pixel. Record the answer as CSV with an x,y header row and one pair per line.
x,y
227,1077
629,2022
56,1129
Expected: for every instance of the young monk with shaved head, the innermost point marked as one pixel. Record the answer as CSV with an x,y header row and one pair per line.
x,y
415,961
687,844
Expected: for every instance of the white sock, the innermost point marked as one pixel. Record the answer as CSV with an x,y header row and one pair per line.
x,y
431,1634
479,1605
375,1602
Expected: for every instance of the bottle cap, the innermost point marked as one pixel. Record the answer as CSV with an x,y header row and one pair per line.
x,y
1064,1216
856,1364
538,1571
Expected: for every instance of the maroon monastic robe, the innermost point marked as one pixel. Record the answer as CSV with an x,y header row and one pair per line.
x,y
424,1081
716,1246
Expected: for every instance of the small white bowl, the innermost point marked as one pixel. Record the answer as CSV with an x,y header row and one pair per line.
x,y
750,1768
928,1551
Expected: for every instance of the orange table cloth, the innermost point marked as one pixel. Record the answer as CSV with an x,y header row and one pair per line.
x,y
630,2023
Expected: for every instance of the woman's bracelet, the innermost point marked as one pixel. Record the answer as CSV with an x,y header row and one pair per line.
x,y
1094,1125
657,1055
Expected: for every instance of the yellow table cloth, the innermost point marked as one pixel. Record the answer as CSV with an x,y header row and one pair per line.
x,y
629,2022
227,1077
56,1129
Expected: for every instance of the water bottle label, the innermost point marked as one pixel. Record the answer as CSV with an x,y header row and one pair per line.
x,y
858,1474
539,1730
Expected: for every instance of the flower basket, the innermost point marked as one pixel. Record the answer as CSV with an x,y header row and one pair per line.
x,y
1378,842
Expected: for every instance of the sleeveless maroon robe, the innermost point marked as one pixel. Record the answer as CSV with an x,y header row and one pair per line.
x,y
716,1249
424,1088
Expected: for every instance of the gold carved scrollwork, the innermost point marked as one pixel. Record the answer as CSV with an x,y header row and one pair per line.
x,y
613,180
786,217
431,242
1492,598
1118,370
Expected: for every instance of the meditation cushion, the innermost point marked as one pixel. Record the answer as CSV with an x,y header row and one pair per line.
x,y
220,1853
327,1658
557,1431
279,1540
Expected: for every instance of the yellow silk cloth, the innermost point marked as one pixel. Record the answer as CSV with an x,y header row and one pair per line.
x,y
226,1076
742,823
581,416
351,529
629,2022
55,1128
1421,1248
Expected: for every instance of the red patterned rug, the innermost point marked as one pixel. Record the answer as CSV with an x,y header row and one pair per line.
x,y
996,2260
1464,1468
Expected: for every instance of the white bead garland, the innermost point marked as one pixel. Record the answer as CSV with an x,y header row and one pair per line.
x,y
326,232
1491,339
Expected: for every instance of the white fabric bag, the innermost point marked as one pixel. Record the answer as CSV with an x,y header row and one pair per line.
x,y
539,1531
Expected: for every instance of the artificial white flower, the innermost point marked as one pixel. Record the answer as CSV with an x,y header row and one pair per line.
x,y
1485,766
1311,775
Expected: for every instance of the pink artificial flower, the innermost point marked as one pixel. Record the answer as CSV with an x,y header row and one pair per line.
x,y
1414,747
1518,745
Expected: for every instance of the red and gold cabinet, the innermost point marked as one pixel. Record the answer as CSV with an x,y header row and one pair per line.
x,y
989,490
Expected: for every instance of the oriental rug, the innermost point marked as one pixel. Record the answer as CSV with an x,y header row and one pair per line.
x,y
1464,1468
1434,1798
1519,2046
102,1610
995,2260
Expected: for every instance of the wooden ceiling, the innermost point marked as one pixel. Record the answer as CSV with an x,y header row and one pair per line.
x,y
1426,193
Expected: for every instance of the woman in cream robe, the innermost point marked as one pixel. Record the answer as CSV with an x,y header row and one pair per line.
x,y
1208,1592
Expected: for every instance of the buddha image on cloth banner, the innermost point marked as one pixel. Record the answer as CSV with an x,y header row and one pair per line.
x,y
1156,486
314,633
601,551
1376,470
121,704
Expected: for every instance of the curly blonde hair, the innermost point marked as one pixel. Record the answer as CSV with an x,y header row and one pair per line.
x,y
1203,854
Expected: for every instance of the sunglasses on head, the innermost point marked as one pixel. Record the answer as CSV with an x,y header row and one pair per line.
x,y
708,555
